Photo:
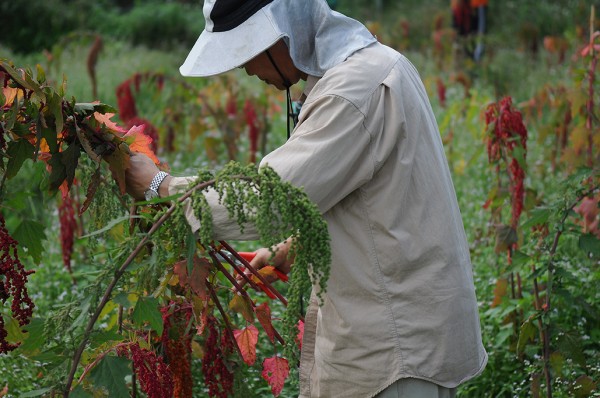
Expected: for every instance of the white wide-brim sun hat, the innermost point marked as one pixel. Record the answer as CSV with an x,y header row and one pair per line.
x,y
249,32
236,31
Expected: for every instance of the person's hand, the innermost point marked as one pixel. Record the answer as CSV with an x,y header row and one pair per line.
x,y
139,175
264,257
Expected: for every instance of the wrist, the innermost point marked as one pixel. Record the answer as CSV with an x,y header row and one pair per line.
x,y
153,190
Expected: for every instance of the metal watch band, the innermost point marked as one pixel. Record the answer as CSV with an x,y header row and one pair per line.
x,y
156,181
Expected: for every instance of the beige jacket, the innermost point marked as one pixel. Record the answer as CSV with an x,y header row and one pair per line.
x,y
400,300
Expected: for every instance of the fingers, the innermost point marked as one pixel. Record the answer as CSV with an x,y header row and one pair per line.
x,y
258,260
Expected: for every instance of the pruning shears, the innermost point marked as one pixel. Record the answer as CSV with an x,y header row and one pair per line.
x,y
267,269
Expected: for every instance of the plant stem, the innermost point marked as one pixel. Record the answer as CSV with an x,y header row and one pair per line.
x,y
546,308
242,291
228,327
117,276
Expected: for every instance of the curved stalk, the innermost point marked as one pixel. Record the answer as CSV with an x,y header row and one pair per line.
x,y
118,274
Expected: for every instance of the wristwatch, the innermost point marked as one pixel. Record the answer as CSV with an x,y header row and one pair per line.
x,y
152,192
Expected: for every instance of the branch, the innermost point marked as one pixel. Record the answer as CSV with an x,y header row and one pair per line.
x,y
228,327
118,274
242,291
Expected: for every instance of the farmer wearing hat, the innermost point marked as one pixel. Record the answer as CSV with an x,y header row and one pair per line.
x,y
399,317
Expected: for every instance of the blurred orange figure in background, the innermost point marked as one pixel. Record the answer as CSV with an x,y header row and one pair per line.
x,y
469,19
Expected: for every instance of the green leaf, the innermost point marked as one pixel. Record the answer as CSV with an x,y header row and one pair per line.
x,y
55,107
70,159
146,311
86,107
63,165
584,386
15,332
110,225
527,333
570,345
36,393
41,74
51,139
30,234
557,362
16,76
35,86
110,373
590,244
58,173
79,392
519,258
21,129
101,337
19,151
506,237
34,337
537,216
122,298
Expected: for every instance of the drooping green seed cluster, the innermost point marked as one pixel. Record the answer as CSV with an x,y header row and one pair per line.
x,y
278,211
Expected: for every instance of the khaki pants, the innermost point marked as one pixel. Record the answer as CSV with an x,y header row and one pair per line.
x,y
416,388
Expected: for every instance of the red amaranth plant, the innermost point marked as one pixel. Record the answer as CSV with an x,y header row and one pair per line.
x,y
68,226
128,110
217,376
178,347
252,121
13,280
507,141
151,371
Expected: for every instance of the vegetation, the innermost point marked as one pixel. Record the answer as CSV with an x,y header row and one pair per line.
x,y
99,293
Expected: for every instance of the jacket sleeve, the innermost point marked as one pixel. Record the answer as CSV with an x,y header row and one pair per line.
x,y
224,227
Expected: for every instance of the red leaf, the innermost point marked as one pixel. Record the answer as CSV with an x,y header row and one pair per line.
x,y
180,269
104,118
275,371
263,313
197,281
199,274
140,142
246,339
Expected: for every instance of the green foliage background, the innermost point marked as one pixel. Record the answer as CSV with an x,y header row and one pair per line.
x,y
155,36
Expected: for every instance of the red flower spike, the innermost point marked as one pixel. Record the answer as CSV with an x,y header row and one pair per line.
x,y
68,226
505,131
13,284
300,335
217,377
153,374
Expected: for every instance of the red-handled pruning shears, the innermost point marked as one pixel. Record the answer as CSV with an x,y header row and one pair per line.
x,y
249,256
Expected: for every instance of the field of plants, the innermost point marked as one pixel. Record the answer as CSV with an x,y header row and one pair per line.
x,y
102,296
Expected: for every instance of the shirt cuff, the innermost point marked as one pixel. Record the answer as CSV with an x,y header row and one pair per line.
x,y
180,185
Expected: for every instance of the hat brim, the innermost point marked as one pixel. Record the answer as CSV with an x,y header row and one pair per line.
x,y
219,52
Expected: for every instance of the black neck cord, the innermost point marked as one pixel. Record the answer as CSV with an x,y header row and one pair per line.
x,y
287,85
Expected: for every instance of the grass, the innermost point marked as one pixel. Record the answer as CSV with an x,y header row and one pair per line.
x,y
505,70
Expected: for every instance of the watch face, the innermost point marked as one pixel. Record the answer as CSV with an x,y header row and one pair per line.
x,y
150,194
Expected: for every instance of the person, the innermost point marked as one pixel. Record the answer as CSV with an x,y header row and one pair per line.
x,y
399,316
469,21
